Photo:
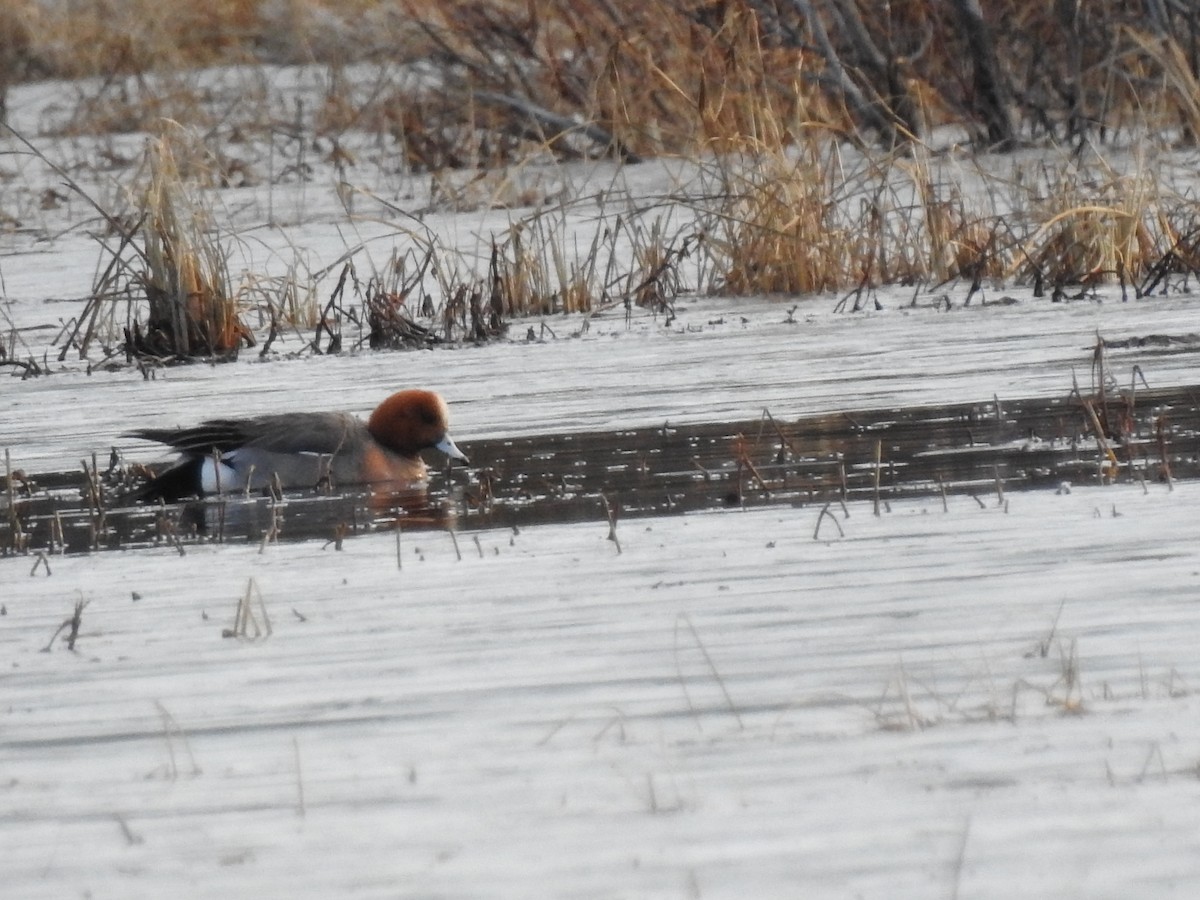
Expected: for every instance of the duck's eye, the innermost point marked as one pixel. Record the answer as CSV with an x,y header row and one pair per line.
x,y
429,417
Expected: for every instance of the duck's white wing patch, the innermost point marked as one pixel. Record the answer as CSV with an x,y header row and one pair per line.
x,y
220,477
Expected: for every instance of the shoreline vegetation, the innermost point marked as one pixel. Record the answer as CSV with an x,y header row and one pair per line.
x,y
831,151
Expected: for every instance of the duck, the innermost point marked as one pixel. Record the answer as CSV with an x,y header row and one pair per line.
x,y
304,450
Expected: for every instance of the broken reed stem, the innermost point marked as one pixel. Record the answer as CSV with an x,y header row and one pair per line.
x,y
454,539
246,626
42,560
1098,430
1160,433
14,521
165,527
272,533
171,727
999,485
753,470
611,511
74,623
94,494
339,535
1044,646
821,516
783,440
56,533
878,469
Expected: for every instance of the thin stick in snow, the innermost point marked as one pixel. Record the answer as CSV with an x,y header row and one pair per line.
x,y
878,457
170,726
245,624
712,667
300,808
820,516
41,560
73,623
960,858
611,511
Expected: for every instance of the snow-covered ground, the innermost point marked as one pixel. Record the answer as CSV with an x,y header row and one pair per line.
x,y
978,702
973,703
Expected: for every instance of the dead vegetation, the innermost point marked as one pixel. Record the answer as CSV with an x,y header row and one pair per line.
x,y
827,141
168,270
637,78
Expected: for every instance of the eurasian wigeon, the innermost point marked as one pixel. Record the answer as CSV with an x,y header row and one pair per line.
x,y
305,449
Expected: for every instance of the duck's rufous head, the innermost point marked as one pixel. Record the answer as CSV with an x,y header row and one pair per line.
x,y
409,421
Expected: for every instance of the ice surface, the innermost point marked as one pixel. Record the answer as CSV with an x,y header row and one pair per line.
x,y
994,701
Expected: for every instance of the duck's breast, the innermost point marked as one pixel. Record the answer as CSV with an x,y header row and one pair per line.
x,y
380,466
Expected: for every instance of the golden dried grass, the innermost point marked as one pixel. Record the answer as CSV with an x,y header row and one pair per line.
x,y
784,215
1089,230
192,304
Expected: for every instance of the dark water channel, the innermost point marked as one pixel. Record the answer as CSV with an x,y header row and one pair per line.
x,y
981,449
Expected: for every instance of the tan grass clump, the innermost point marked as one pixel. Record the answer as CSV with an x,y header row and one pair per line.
x,y
1087,233
1088,245
778,229
192,307
535,270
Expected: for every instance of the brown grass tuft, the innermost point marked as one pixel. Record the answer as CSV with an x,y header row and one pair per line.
x,y
191,301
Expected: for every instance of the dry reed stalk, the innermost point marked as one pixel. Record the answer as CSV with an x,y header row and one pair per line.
x,y
878,468
246,625
70,625
821,518
1160,435
1110,466
778,230
18,538
611,512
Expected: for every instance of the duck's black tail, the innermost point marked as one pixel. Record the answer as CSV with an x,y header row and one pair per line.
x,y
177,483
